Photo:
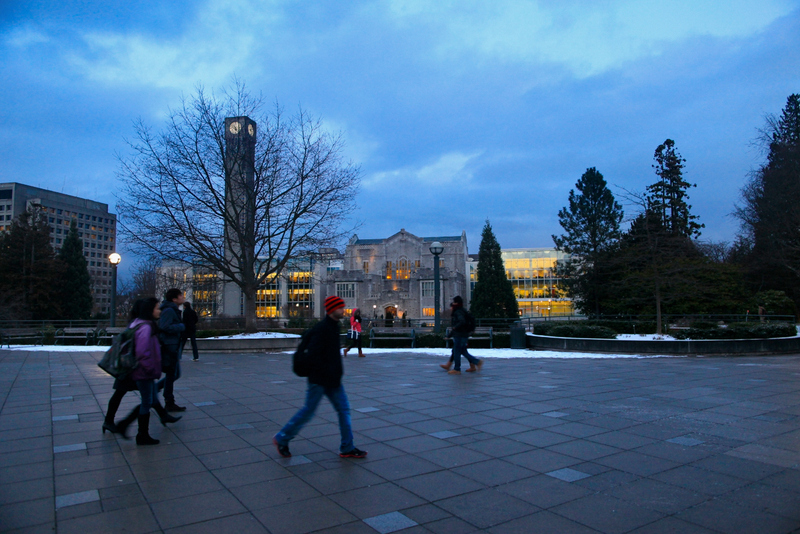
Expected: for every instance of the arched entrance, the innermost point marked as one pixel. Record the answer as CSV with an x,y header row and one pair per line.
x,y
390,312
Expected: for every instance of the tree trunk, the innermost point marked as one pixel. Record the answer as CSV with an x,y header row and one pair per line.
x,y
659,329
249,309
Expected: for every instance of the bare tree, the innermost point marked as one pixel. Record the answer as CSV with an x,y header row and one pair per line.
x,y
193,193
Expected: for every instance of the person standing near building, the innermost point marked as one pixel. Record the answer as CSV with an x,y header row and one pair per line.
x,y
355,332
170,333
190,322
461,326
324,379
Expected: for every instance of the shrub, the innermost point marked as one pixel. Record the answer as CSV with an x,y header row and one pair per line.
x,y
581,330
739,331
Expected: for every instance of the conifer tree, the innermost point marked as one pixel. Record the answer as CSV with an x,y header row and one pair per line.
x,y
667,197
769,211
28,270
75,289
493,297
591,225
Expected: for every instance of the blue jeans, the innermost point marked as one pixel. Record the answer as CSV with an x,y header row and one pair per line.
x,y
459,348
147,390
314,394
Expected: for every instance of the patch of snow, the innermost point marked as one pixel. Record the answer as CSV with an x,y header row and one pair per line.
x,y
256,335
645,337
514,353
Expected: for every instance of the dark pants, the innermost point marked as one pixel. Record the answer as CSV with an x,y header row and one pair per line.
x,y
167,383
193,340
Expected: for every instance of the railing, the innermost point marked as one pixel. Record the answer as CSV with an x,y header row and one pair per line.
x,y
668,320
56,324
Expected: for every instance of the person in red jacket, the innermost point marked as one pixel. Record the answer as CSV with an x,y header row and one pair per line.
x,y
148,369
355,330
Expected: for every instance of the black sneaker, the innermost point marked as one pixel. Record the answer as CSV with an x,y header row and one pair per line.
x,y
283,450
355,453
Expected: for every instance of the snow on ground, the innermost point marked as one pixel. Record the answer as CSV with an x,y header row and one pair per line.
x,y
444,353
256,335
645,337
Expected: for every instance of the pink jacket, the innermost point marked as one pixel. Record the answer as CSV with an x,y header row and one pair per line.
x,y
355,324
148,351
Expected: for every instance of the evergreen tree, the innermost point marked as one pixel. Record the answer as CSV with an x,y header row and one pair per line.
x,y
493,297
769,211
28,270
591,224
668,196
75,289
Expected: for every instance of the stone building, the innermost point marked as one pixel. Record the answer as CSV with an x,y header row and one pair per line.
x,y
393,277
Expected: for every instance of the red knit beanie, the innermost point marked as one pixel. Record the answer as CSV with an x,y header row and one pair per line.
x,y
333,303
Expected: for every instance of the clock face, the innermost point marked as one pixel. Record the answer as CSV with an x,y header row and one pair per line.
x,y
250,129
235,127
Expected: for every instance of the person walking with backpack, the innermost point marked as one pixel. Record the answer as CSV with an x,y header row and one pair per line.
x,y
324,378
170,330
147,349
461,326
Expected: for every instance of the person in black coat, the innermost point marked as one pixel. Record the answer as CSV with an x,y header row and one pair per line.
x,y
324,379
190,322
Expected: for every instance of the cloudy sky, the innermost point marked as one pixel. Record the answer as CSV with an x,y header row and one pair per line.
x,y
457,112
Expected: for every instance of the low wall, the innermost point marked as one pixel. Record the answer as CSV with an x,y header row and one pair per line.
x,y
264,344
783,345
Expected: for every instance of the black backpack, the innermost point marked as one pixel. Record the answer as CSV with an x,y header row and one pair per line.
x,y
120,359
303,360
470,321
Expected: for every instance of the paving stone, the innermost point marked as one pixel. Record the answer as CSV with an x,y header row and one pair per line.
x,y
444,434
72,499
391,522
568,475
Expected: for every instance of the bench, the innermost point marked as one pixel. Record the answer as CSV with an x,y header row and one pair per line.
x,y
7,335
481,332
80,333
106,334
380,332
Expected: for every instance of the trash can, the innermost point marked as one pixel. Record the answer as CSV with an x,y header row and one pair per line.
x,y
519,339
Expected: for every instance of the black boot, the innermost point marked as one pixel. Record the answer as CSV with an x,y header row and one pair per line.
x,y
143,437
113,406
123,425
164,415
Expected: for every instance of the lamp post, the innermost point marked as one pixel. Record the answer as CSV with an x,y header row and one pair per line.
x,y
114,259
436,249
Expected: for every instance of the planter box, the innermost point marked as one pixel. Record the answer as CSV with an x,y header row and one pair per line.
x,y
264,344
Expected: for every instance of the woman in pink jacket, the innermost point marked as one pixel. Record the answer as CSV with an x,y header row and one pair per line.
x,y
355,326
144,314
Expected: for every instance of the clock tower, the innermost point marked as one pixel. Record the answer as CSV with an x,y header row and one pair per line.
x,y
240,144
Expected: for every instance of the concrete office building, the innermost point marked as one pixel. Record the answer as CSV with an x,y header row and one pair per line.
x,y
96,227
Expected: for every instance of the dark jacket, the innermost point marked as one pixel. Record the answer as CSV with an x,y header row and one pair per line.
x,y
459,324
190,321
324,346
170,329
148,351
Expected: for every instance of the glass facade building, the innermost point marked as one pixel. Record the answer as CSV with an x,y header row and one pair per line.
x,y
534,275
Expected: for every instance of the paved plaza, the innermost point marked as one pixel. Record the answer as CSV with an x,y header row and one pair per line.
x,y
680,445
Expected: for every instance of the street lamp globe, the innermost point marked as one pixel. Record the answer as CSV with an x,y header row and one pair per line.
x,y
114,258
436,248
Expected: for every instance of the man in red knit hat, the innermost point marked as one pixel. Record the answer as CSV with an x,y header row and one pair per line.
x,y
324,379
